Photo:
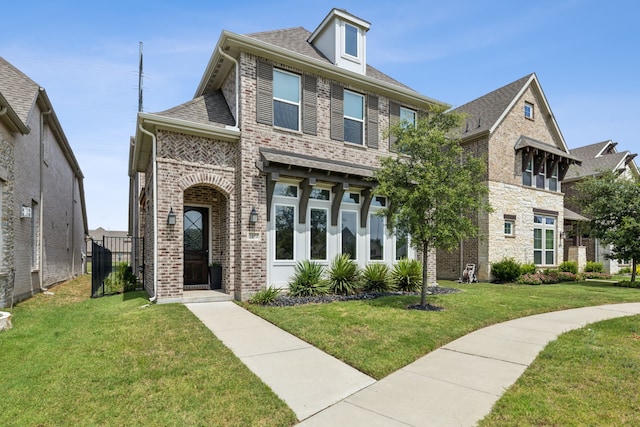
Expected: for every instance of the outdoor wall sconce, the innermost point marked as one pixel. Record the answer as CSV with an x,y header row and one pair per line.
x,y
171,218
253,216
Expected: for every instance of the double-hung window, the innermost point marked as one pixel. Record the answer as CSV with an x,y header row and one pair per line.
x,y
553,177
353,117
544,238
286,100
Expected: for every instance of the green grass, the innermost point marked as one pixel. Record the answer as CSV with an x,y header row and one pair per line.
x,y
588,377
380,336
71,360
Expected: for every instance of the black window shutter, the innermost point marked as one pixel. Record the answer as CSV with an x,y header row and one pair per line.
x,y
309,105
264,95
394,119
337,112
372,121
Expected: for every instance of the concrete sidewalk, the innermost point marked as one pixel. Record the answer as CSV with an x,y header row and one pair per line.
x,y
458,384
305,378
455,385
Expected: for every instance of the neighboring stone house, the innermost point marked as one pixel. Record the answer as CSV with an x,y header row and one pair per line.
x,y
270,163
596,159
42,207
527,158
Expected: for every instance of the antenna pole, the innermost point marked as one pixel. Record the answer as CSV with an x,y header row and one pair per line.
x,y
140,82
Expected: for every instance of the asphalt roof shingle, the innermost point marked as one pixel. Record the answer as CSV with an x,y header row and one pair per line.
x,y
17,89
209,109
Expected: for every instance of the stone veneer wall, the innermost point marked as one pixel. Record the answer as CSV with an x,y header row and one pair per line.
x,y
6,216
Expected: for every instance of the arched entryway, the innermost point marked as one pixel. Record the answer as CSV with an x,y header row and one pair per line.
x,y
205,237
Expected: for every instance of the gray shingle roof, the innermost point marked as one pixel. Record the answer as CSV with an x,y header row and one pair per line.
x,y
295,40
592,165
17,89
482,113
209,109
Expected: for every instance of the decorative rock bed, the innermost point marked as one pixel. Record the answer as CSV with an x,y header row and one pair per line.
x,y
5,320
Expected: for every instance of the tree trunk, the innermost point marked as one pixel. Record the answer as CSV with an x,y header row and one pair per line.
x,y
633,270
425,263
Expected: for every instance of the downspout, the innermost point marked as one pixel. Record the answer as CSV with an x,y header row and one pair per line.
x,y
41,218
155,212
232,59
3,111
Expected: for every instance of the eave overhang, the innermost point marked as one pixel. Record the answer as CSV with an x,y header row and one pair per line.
x,y
233,44
142,146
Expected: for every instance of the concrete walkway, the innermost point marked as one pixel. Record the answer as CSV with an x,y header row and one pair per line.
x,y
455,385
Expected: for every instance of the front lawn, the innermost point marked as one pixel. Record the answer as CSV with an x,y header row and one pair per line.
x,y
588,377
71,360
380,336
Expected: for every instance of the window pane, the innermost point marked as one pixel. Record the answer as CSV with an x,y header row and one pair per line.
x,y
549,240
379,201
351,198
319,194
549,258
376,237
285,115
537,219
319,234
537,238
351,40
349,233
286,86
193,231
286,190
408,116
353,131
402,245
540,181
353,105
553,184
507,228
537,257
526,178
284,232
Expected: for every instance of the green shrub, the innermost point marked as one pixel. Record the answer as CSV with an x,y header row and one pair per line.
x,y
596,276
343,275
569,267
530,279
121,280
505,271
406,275
625,270
528,268
265,296
594,267
628,284
376,278
307,280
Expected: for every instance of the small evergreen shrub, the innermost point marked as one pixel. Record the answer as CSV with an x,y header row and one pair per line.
x,y
406,275
628,284
307,280
343,275
625,270
505,271
569,267
529,268
594,267
265,296
121,280
376,278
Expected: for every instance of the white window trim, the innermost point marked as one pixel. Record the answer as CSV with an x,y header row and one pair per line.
x,y
544,227
343,38
531,114
308,230
286,203
362,120
513,226
286,101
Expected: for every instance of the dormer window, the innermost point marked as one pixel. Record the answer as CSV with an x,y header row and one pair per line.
x,y
350,40
528,110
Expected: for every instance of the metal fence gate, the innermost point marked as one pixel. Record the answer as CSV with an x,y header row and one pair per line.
x,y
117,264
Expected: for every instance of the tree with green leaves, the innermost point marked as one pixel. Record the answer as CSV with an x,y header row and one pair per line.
x,y
612,202
434,187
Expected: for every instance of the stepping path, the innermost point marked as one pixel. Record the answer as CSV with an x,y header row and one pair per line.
x,y
455,385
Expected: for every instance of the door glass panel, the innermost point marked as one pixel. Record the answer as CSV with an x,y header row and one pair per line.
x,y
284,232
193,232
376,242
319,234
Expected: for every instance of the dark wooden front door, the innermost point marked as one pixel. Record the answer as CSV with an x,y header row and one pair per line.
x,y
196,245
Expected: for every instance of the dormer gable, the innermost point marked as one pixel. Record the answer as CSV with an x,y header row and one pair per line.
x,y
342,38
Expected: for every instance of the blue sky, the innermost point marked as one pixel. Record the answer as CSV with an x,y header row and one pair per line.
x,y
85,54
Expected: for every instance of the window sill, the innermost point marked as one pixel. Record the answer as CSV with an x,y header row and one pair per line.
x,y
287,130
353,144
510,236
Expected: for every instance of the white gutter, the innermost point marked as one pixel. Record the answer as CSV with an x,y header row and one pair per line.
x,y
235,62
155,212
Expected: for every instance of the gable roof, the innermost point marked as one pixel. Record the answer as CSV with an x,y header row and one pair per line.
x,y
18,94
597,158
486,113
209,109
